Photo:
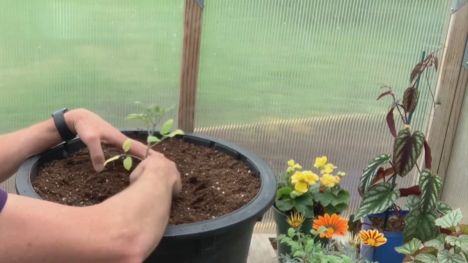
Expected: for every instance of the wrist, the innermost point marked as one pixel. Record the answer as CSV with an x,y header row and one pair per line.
x,y
62,126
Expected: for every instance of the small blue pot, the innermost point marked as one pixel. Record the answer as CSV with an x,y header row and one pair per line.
x,y
385,253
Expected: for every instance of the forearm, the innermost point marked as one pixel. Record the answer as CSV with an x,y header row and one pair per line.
x,y
18,146
144,207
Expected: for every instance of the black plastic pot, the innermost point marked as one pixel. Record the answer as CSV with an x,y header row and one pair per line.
x,y
225,239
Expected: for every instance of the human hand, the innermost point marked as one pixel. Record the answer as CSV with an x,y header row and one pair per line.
x,y
159,167
93,131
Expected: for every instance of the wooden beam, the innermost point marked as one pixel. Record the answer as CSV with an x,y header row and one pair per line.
x,y
451,88
190,62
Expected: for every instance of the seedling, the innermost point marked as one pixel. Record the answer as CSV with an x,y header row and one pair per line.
x,y
151,116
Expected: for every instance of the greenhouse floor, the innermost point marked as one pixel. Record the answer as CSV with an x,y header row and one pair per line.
x,y
261,250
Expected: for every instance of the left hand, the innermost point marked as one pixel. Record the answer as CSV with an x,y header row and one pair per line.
x,y
93,131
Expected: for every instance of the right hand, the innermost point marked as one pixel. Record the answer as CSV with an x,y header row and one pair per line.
x,y
158,166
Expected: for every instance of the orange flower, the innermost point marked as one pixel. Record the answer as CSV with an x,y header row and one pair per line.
x,y
372,238
330,225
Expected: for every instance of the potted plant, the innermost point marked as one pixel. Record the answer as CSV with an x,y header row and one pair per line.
x,y
222,236
450,245
306,247
378,185
305,194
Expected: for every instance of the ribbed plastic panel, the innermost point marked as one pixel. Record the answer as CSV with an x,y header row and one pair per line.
x,y
298,79
102,55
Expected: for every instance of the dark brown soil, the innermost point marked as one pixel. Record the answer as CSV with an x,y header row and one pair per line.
x,y
214,183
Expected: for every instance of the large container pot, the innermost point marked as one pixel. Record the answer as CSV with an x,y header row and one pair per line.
x,y
385,253
224,239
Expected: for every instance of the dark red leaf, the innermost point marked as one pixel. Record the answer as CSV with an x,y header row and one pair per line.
x,y
383,94
413,190
427,155
410,99
391,122
417,70
382,174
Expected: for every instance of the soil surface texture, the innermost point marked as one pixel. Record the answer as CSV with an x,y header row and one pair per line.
x,y
214,183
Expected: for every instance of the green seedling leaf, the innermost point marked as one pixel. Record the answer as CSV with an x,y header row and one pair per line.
x,y
127,145
112,159
175,133
370,172
409,248
451,219
378,199
406,150
166,127
127,163
152,139
437,243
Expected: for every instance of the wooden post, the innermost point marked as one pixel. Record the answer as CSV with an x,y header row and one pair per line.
x,y
190,61
453,81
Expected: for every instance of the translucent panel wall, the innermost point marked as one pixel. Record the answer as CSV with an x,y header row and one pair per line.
x,y
102,55
298,79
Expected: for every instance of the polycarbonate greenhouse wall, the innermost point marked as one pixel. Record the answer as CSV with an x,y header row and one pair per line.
x,y
286,79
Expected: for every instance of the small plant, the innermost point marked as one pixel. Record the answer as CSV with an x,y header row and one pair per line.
x,y
378,184
311,194
307,247
449,246
151,116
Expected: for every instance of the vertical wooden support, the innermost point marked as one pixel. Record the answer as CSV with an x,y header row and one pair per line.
x,y
190,62
453,81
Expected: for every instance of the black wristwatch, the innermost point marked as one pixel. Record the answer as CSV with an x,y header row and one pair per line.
x,y
61,125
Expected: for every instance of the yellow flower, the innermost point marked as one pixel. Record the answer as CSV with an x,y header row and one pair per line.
x,y
295,220
329,180
328,168
301,187
310,177
292,164
372,238
320,162
341,174
330,225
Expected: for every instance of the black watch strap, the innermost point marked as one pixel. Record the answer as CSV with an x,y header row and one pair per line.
x,y
61,125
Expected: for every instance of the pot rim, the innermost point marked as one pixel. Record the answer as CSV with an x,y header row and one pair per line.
x,y
253,210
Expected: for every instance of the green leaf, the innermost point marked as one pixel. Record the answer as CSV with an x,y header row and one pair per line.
x,y
135,116
283,192
443,208
445,256
284,205
412,202
304,204
420,225
127,163
378,199
406,150
166,127
291,232
437,243
152,139
127,145
425,258
309,246
460,242
370,172
430,186
452,219
175,133
409,248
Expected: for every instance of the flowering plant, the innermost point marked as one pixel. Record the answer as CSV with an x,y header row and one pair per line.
x,y
306,247
310,193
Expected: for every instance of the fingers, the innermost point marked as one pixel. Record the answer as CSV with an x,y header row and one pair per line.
x,y
93,143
